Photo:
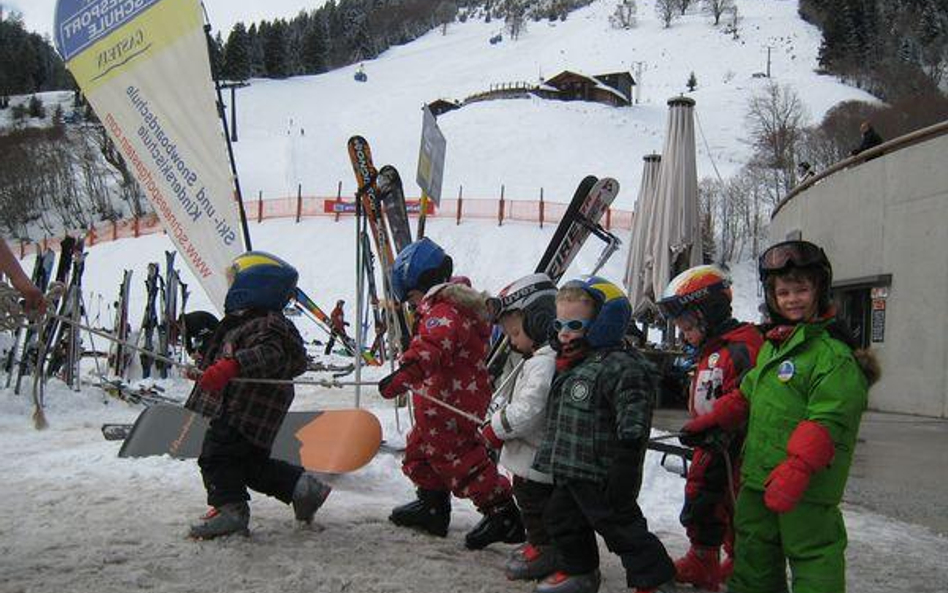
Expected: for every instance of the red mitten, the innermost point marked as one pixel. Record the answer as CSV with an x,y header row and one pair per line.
x,y
216,376
809,450
399,382
490,437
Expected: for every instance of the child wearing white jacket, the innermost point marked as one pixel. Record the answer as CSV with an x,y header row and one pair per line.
x,y
525,310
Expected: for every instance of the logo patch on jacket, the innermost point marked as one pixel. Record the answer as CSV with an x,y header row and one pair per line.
x,y
579,391
785,371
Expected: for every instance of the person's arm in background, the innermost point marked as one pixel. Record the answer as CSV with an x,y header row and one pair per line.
x,y
11,267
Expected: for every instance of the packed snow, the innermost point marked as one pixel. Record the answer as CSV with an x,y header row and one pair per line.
x,y
78,518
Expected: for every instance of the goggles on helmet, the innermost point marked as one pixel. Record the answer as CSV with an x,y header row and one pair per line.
x,y
800,254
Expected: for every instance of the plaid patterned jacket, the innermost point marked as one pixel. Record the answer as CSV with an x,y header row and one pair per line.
x,y
266,345
605,399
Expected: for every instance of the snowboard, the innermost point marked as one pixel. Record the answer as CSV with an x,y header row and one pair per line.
x,y
330,441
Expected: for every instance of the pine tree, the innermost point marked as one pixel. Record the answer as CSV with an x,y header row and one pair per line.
x,y
692,82
237,53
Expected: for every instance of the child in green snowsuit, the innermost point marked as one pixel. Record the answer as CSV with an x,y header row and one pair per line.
x,y
803,402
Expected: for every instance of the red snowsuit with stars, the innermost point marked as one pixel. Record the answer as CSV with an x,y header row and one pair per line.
x,y
443,450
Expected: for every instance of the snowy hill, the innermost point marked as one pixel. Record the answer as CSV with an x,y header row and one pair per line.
x,y
294,131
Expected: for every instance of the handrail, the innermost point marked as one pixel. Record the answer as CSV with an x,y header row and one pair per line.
x,y
899,143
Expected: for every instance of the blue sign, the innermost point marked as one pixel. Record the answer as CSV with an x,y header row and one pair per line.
x,y
80,23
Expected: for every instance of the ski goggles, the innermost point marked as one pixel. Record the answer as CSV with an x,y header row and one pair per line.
x,y
573,325
800,254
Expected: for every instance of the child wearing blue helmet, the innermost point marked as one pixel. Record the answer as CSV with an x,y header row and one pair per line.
x,y
253,340
445,454
599,416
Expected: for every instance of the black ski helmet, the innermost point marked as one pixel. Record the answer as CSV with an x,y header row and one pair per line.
x,y
786,255
535,297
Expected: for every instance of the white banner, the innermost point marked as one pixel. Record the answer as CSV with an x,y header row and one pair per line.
x,y
144,67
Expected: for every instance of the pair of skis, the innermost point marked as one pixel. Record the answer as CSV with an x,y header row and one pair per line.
x,y
382,201
590,202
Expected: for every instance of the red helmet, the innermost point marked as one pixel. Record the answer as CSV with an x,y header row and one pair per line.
x,y
701,290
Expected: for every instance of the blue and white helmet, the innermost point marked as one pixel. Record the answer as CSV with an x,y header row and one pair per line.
x,y
260,280
613,311
419,266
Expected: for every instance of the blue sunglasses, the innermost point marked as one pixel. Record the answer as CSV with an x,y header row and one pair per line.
x,y
573,325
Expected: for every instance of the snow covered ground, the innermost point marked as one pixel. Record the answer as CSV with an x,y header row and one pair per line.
x,y
77,518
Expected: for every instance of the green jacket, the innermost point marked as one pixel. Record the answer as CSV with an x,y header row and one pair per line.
x,y
810,376
605,399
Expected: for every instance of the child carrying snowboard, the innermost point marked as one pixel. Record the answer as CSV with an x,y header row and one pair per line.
x,y
253,340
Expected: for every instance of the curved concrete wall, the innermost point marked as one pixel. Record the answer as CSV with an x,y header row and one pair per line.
x,y
889,215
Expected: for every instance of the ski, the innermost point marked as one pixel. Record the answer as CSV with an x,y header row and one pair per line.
x,y
25,345
309,306
119,355
368,193
149,319
166,327
590,201
392,197
64,339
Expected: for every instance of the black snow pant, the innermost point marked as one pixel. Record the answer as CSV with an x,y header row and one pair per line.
x,y
578,510
532,498
230,464
330,344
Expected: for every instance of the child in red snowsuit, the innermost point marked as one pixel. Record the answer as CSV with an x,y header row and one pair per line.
x,y
445,362
698,301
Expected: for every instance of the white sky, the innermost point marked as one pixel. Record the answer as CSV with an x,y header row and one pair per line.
x,y
38,14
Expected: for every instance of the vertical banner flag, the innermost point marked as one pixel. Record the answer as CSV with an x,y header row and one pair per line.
x,y
144,67
431,158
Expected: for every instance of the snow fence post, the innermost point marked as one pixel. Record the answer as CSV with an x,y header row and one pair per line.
x,y
339,199
114,231
500,208
609,218
457,220
135,226
541,207
260,207
299,201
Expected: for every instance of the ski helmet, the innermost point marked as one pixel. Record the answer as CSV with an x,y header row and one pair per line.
x,y
419,266
613,311
535,297
798,254
260,280
702,291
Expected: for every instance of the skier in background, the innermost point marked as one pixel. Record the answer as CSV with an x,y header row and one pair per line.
x,y
338,320
253,340
698,302
198,326
444,452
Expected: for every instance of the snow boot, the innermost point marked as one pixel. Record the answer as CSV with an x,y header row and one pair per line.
x,y
701,567
560,582
501,523
431,513
531,563
230,518
309,494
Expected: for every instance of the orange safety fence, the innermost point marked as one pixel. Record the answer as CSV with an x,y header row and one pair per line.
x,y
458,209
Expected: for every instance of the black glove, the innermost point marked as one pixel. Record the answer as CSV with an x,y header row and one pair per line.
x,y
625,474
397,383
701,438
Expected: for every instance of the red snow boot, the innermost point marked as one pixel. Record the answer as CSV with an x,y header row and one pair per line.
x,y
700,567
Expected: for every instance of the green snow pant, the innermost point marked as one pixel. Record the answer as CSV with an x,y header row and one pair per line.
x,y
811,537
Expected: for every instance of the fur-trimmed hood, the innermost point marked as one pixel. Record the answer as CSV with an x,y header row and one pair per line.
x,y
459,292
867,361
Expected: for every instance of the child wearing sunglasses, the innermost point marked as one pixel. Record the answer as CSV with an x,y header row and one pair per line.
x,y
597,428
802,402
525,310
698,302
